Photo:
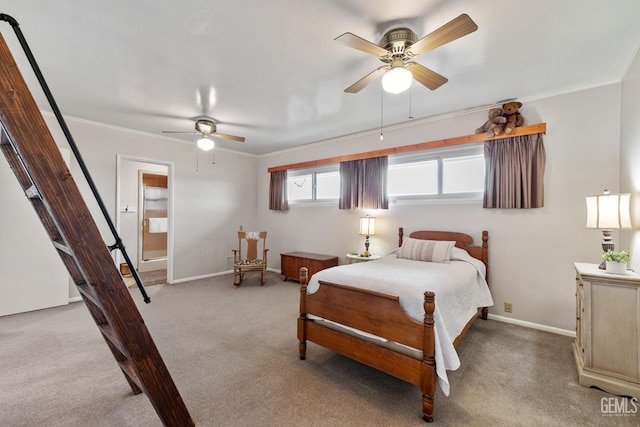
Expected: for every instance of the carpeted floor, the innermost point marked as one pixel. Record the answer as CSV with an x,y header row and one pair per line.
x,y
233,355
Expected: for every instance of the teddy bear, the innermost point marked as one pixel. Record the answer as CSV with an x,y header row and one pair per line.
x,y
514,118
495,125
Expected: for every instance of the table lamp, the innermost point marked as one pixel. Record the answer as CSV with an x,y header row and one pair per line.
x,y
367,228
608,212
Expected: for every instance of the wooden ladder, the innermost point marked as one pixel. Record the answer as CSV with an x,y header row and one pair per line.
x,y
42,173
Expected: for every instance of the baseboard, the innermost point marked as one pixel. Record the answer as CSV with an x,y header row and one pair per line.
x,y
188,279
532,325
204,276
221,273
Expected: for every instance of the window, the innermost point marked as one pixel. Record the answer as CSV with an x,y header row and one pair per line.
x,y
328,185
463,174
451,173
320,184
415,178
447,174
300,187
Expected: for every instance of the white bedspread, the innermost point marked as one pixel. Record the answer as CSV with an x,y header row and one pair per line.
x,y
459,286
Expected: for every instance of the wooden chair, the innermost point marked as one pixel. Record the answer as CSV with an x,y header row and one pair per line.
x,y
248,244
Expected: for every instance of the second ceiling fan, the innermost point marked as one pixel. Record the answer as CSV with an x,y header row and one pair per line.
x,y
398,46
207,128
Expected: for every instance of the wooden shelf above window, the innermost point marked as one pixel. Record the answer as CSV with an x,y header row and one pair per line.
x,y
449,142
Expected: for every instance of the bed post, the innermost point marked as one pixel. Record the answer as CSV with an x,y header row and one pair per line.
x,y
428,381
485,259
400,234
302,320
485,251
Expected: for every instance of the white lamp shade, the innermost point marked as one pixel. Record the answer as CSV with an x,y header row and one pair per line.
x,y
608,211
367,226
205,144
397,80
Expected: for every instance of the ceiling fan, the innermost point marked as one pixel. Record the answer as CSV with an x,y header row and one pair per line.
x,y
398,46
207,128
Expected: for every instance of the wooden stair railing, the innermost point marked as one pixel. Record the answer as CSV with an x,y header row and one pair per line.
x,y
38,165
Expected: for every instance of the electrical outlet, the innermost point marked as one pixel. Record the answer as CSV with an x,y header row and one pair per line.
x,y
508,307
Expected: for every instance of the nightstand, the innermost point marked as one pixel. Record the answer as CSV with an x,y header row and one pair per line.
x,y
352,259
607,342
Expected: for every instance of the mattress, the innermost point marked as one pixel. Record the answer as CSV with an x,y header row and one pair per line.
x,y
460,288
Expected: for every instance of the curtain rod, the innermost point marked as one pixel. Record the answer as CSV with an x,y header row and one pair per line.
x,y
448,142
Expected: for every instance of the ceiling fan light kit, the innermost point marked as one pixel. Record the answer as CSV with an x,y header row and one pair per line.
x,y
397,80
207,129
205,144
398,46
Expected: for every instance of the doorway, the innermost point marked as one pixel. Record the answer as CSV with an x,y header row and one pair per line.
x,y
153,219
144,197
154,197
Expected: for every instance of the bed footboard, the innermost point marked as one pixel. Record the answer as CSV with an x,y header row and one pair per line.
x,y
378,314
302,320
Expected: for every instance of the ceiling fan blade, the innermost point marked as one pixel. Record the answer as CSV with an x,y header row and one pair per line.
x,y
351,40
231,137
454,29
360,84
178,131
422,74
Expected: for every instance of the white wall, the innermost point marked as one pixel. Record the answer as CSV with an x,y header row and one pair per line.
x,y
630,156
209,203
32,275
210,200
531,251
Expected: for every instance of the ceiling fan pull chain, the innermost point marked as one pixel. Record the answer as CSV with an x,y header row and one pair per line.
x,y
381,111
410,115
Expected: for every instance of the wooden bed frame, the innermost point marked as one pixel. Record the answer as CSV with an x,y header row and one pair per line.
x,y
381,314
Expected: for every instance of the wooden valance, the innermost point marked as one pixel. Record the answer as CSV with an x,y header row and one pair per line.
x,y
449,142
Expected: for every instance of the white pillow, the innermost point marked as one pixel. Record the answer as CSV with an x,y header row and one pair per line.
x,y
426,250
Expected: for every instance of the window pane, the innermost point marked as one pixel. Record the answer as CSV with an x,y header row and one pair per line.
x,y
299,187
413,178
463,174
328,185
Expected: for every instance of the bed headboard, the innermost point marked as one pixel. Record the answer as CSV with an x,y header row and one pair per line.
x,y
463,241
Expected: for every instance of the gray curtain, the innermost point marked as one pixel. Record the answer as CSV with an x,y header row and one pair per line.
x,y
278,191
514,172
363,184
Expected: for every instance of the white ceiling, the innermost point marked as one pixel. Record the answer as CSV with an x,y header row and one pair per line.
x,y
272,72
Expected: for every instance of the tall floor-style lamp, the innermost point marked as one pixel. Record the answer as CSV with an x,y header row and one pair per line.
x,y
367,228
608,212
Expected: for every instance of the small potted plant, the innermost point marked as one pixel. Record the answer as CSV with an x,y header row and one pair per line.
x,y
616,261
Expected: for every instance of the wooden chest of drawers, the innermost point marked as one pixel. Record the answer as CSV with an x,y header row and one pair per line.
x,y
607,344
292,262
